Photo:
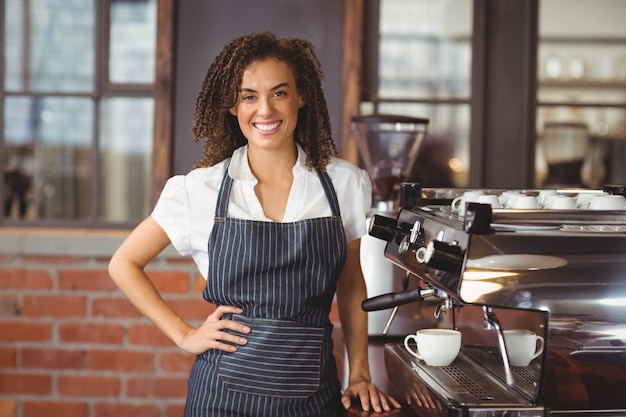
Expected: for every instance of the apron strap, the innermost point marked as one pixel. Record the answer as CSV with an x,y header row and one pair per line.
x,y
330,192
224,194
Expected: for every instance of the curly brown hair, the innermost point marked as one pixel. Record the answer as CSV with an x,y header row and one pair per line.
x,y
213,121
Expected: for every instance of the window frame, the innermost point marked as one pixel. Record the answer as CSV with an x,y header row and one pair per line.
x,y
161,91
360,49
503,91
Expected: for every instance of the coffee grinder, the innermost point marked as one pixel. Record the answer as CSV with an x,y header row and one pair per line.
x,y
388,145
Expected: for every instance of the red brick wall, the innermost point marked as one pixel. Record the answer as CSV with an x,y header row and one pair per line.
x,y
72,346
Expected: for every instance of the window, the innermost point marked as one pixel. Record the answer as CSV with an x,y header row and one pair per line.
x,y
421,66
581,112
78,103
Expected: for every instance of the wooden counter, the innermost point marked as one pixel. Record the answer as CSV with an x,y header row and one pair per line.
x,y
377,369
357,412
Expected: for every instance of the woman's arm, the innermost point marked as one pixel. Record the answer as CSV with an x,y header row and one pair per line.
x,y
126,268
351,291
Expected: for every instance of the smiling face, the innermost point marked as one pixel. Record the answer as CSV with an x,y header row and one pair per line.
x,y
267,105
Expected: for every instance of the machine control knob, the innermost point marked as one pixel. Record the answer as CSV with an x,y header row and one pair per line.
x,y
415,231
411,238
441,255
382,227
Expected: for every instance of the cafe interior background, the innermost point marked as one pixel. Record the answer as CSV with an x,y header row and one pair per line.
x,y
96,104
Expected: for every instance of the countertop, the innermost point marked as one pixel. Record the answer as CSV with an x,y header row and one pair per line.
x,y
377,369
357,412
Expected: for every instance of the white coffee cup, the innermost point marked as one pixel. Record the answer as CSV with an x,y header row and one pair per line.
x,y
562,202
526,202
490,199
608,202
436,347
522,346
583,199
507,198
542,197
470,196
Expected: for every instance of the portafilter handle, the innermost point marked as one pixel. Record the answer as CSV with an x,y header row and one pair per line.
x,y
392,299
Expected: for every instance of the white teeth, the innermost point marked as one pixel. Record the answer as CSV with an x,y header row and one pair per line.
x,y
267,127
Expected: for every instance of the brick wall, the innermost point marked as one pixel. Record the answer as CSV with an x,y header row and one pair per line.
x,y
72,346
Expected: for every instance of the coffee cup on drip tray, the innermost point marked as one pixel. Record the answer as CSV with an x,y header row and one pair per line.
x,y
436,347
522,346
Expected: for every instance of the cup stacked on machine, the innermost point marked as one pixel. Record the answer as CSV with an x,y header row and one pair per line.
x,y
547,199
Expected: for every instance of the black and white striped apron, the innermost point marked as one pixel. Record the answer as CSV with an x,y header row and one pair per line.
x,y
283,276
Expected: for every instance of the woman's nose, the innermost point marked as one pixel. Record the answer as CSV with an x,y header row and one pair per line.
x,y
265,106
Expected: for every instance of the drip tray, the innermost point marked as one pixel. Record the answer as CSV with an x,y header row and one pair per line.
x,y
525,378
464,383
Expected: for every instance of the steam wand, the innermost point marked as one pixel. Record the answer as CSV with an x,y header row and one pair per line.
x,y
492,322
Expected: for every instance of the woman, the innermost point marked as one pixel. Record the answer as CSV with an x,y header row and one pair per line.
x,y
272,218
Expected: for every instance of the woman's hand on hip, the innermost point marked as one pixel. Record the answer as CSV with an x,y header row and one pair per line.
x,y
212,333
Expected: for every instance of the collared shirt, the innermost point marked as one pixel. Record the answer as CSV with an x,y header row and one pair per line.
x,y
186,207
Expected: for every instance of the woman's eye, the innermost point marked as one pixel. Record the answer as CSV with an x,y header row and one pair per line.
x,y
248,98
280,93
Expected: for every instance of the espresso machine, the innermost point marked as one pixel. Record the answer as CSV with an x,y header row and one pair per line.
x,y
558,273
388,146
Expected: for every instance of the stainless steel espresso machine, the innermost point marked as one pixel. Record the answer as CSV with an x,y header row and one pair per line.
x,y
558,273
388,145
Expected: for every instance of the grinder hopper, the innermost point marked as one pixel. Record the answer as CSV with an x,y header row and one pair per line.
x,y
388,145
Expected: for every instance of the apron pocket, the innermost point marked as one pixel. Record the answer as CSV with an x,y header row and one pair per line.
x,y
281,359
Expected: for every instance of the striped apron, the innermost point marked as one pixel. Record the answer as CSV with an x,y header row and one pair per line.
x,y
283,276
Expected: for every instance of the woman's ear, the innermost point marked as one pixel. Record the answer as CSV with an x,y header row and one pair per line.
x,y
302,103
233,111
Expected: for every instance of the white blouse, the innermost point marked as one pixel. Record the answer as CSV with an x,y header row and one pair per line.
x,y
186,207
